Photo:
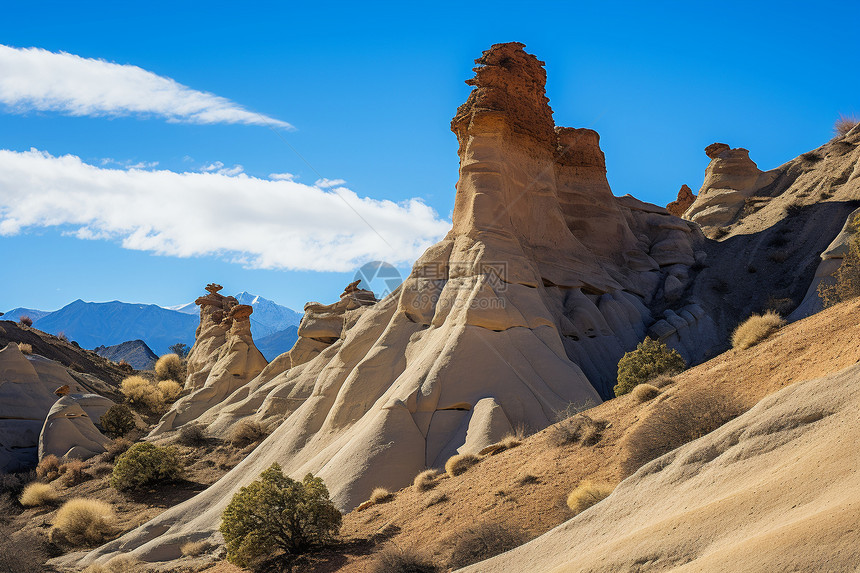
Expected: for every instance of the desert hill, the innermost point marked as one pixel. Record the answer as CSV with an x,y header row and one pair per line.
x,y
138,355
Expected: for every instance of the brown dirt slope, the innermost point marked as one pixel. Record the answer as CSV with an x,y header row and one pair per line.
x,y
499,490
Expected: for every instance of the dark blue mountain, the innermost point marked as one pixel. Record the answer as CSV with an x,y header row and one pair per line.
x,y
276,344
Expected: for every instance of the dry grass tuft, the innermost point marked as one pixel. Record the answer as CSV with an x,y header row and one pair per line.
x,y
844,124
193,436
426,480
48,468
25,321
194,548
170,367
381,495
396,560
645,392
460,463
246,432
115,448
26,349
119,564
578,429
141,392
170,389
587,494
662,381
37,494
73,473
675,422
480,542
437,499
85,521
755,329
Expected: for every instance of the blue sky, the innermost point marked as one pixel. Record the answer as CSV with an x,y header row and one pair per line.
x,y
370,90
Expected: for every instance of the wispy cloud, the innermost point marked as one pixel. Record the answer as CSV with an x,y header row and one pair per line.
x,y
36,79
220,169
281,176
257,222
327,183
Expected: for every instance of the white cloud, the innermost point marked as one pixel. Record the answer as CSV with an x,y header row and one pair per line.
x,y
36,79
219,168
282,176
260,223
326,183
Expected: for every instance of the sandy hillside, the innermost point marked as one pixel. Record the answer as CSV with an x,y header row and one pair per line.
x,y
495,490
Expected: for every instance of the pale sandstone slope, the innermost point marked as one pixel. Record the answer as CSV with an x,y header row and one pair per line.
x,y
776,489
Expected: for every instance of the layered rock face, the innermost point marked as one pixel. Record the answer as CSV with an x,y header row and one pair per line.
x,y
730,179
544,281
222,360
680,205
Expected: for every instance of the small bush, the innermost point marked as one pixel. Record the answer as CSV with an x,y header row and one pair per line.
x,y
578,429
119,564
48,468
145,464
846,279
73,473
25,321
194,548
26,349
141,392
170,389
117,421
460,463
115,447
180,349
651,358
192,436
246,432
277,518
793,209
381,495
125,366
170,367
437,499
38,493
755,329
426,480
395,560
62,336
645,392
85,521
661,381
844,124
587,494
101,468
13,484
675,422
482,541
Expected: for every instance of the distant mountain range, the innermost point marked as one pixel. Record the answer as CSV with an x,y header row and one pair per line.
x,y
94,324
135,352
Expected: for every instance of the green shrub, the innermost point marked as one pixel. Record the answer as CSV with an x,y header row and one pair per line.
x,y
276,518
651,358
143,464
117,421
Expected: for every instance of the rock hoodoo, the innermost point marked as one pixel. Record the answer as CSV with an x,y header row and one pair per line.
x,y
680,205
544,281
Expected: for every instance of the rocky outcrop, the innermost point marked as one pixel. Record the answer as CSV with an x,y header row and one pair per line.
x,y
680,205
222,360
730,179
69,431
543,283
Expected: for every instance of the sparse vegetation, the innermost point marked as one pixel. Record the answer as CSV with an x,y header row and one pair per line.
x,y
793,209
846,279
651,358
482,541
661,381
645,392
170,389
195,548
437,499
62,336
73,473
782,305
179,349
844,124
37,494
170,367
580,429
25,321
276,519
142,393
116,447
119,564
84,521
11,485
426,480
48,468
117,421
26,349
587,494
676,422
246,432
396,560
756,329
192,435
125,366
460,463
381,495
143,464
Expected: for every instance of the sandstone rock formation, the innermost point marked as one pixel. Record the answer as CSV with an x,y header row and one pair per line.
x,y
680,205
730,179
544,281
222,360
27,385
761,493
69,431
